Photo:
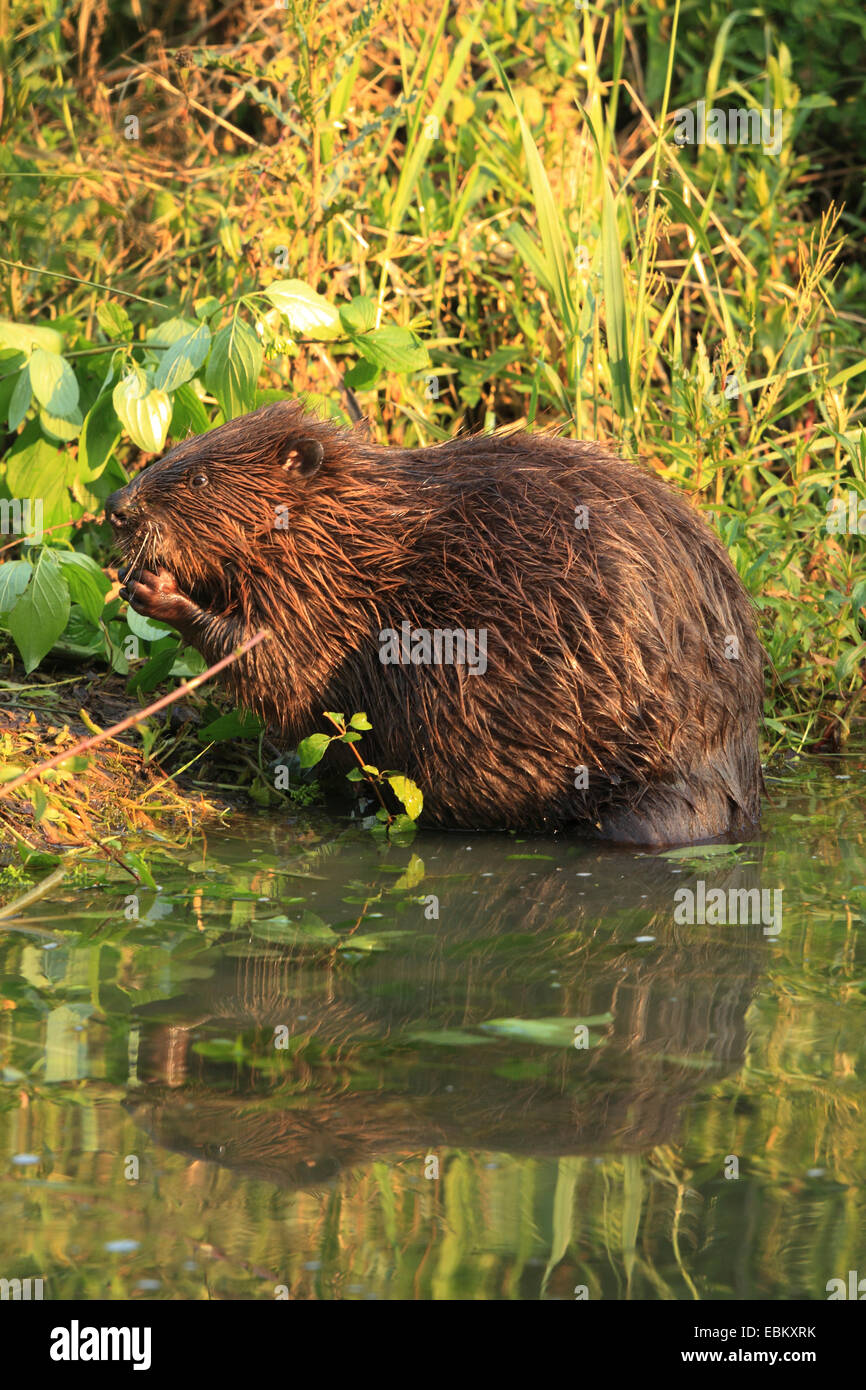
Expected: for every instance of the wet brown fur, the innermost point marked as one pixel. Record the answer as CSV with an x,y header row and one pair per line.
x,y
607,647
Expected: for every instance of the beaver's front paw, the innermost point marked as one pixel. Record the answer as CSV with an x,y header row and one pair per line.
x,y
156,595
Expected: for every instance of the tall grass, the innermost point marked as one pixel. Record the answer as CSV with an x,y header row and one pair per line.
x,y
504,182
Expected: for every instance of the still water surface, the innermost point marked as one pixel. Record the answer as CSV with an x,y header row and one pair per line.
x,y
308,1064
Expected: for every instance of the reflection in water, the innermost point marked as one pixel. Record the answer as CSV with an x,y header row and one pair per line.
x,y
676,1010
311,1061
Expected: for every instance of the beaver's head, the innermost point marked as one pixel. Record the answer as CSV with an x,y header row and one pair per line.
x,y
211,504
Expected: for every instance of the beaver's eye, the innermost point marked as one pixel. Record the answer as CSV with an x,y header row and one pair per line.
x,y
199,480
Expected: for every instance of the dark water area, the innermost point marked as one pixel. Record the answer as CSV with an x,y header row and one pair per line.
x,y
307,1063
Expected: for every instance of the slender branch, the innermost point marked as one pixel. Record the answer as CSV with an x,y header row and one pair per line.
x,y
132,719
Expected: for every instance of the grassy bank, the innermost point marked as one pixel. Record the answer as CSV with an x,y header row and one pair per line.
x,y
466,216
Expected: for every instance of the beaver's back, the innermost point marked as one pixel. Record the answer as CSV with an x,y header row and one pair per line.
x,y
619,640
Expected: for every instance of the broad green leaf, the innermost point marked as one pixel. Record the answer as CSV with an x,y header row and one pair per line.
x,y
362,376
310,930
61,427
26,336
36,469
233,368
236,724
183,359
698,851
54,382
155,670
146,628
15,575
308,314
374,941
88,585
98,437
81,637
360,721
21,398
41,613
188,415
550,1032
408,794
114,320
360,315
166,333
311,750
394,349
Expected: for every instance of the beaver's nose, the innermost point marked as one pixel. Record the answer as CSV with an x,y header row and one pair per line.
x,y
117,509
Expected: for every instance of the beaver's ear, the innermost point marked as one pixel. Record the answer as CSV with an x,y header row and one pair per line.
x,y
302,456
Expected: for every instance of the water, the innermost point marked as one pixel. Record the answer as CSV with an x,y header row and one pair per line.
x,y
311,1065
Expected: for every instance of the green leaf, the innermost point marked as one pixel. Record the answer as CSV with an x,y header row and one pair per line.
x,y
448,1037
146,628
849,661
144,411
88,585
15,575
236,724
374,941
686,215
408,794
169,331
183,359
25,336
549,1032
360,315
362,376
62,427
80,637
36,469
394,349
310,930
230,236
98,437
311,750
155,670
307,313
188,414
689,852
114,320
41,613
54,382
233,368
21,398
360,721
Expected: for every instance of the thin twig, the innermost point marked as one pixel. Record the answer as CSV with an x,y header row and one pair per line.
x,y
132,719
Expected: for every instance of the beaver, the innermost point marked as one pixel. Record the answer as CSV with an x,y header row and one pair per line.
x,y
543,635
